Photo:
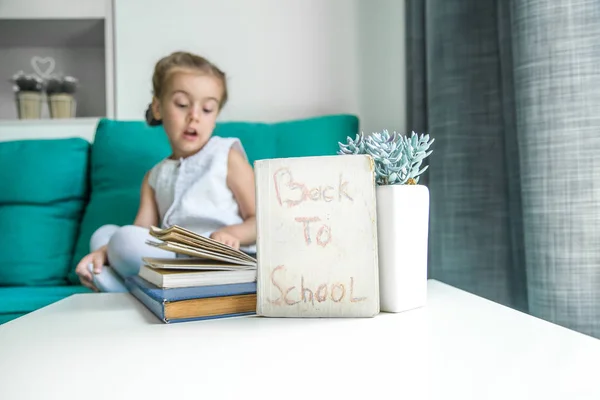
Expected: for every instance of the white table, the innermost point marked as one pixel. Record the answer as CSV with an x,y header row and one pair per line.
x,y
108,346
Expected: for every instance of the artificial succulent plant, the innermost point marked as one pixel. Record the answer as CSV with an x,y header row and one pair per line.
x,y
397,157
59,85
27,82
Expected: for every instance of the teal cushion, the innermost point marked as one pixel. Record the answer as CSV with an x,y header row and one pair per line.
x,y
313,136
256,138
317,136
44,190
9,317
122,153
17,301
116,180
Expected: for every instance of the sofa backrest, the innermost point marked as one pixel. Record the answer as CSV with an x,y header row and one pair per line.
x,y
43,192
123,151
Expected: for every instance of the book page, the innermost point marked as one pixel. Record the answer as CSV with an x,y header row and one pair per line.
x,y
192,264
178,234
200,253
207,246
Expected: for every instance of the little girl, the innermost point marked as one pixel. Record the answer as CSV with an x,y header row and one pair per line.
x,y
205,185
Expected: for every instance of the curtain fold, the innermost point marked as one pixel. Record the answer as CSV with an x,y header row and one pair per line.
x,y
510,90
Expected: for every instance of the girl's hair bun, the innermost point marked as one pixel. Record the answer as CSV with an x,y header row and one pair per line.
x,y
150,120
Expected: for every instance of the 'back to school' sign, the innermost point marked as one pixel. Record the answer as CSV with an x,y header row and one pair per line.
x,y
317,237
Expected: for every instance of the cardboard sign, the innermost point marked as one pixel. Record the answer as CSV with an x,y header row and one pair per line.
x,y
317,237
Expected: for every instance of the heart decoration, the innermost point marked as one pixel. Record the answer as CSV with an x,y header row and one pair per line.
x,y
43,66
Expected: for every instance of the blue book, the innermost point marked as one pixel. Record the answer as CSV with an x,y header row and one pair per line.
x,y
194,303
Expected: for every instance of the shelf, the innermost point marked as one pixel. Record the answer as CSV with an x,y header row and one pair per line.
x,y
48,129
6,123
50,9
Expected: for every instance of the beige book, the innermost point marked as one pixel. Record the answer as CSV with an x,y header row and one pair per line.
x,y
317,237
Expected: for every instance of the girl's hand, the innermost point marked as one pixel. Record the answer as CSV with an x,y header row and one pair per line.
x,y
98,259
226,238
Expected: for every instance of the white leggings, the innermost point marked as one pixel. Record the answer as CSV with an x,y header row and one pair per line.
x,y
126,247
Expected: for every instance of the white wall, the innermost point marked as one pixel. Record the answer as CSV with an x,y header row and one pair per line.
x,y
382,65
284,58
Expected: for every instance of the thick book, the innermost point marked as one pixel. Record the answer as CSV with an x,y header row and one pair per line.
x,y
317,237
194,303
204,252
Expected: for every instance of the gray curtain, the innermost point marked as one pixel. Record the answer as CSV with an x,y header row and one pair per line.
x,y
510,90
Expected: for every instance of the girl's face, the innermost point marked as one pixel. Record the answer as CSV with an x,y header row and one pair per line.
x,y
188,108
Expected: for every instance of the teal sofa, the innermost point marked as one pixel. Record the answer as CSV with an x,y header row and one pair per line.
x,y
55,193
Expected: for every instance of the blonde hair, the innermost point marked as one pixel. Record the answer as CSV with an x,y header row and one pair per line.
x,y
177,61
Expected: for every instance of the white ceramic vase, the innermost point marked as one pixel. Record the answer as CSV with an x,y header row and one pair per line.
x,y
402,231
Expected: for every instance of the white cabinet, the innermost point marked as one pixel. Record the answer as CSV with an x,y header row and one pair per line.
x,y
63,37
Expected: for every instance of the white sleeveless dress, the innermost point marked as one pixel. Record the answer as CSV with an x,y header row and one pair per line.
x,y
192,192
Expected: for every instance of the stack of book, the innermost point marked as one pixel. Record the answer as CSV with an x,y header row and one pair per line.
x,y
204,280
